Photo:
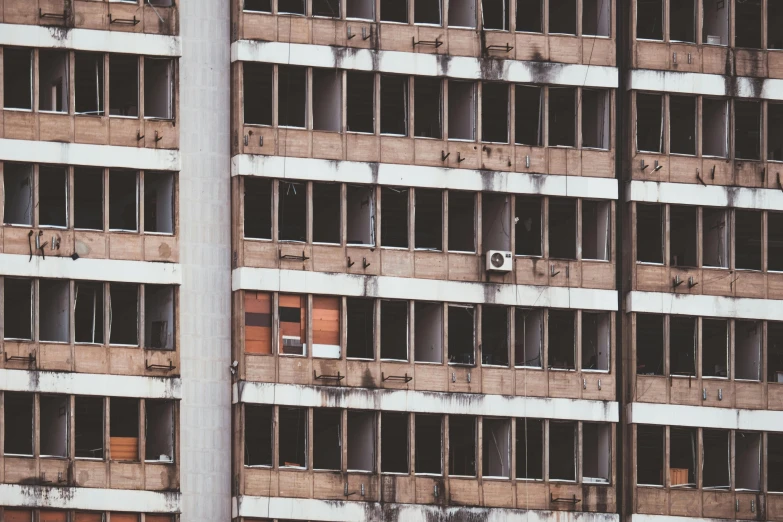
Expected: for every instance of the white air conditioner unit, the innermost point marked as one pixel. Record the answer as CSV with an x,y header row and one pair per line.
x,y
499,261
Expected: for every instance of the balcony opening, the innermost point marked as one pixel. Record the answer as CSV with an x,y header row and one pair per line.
x,y
775,241
747,446
258,6
462,445
562,450
293,320
462,334
326,209
427,104
123,314
292,440
361,441
158,88
494,335
259,434
562,17
747,24
649,344
360,203
394,104
528,226
715,237
88,424
427,12
494,113
595,118
716,22
775,460
747,242
717,459
715,125
562,117
394,442
88,313
682,345
649,19
258,322
496,447
292,211
528,121
747,130
18,194
159,202
462,221
747,350
53,431
684,236
715,348
775,125
123,85
682,21
496,221
429,444
257,207
53,81
530,449
596,17
361,325
54,310
326,8
326,327
19,414
462,110
395,11
159,325
394,330
394,217
124,429
597,453
327,439
18,309
774,21
428,219
528,337
159,431
562,339
428,332
649,233
88,83
88,198
682,125
596,231
595,340
53,196
360,110
649,122
360,9
257,92
495,14
291,95
462,13
649,454
292,7
18,78
123,200
562,228
682,457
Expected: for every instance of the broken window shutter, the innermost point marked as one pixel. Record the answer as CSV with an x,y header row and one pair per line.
x,y
326,326
258,322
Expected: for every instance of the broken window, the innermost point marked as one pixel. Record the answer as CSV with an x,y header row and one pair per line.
x,y
682,125
429,444
462,221
649,233
54,310
562,228
18,78
258,207
775,461
327,8
684,236
747,130
649,122
296,7
562,16
562,450
595,230
293,318
747,447
19,414
18,309
261,6
496,222
394,104
18,194
360,203
528,225
360,112
88,313
158,88
649,19
496,447
361,321
530,449
123,85
428,332
326,209
394,11
361,9
462,445
159,317
394,330
562,339
716,459
596,452
292,211
428,213
774,241
53,196
649,454
775,129
595,118
715,348
394,217
426,12
427,103
259,433
682,345
595,340
292,440
494,335
747,24
715,124
291,95
258,322
159,202
257,89
327,438
649,344
596,17
682,21
462,13
715,19
495,14
53,80
88,198
462,110
715,238
462,334
394,442
326,327
88,83
159,431
123,200
124,429
123,314
747,239
682,457
528,337
89,429
361,441
327,106
494,112
774,21
562,117
528,123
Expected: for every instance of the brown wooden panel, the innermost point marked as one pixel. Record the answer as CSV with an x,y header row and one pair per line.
x,y
158,518
52,516
326,320
652,501
258,322
290,328
88,517
124,448
718,504
124,517
18,515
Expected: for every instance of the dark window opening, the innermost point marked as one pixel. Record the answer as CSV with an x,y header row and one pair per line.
x,y
159,202
775,241
291,96
595,119
394,104
715,237
596,452
18,194
394,442
257,89
682,345
562,339
747,24
327,438
292,211
462,13
774,351
562,117
682,457
462,110
123,314
716,459
775,461
361,321
19,414
529,16
124,429
529,337
54,310
596,340
259,430
360,202
159,325
158,88
649,344
428,332
462,445
462,221
496,222
649,19
747,244
18,309
258,208
292,441
562,450
528,226
426,12
649,122
88,83
327,8
494,113
527,115
123,85
462,334
88,198
88,424
495,14
429,444
747,131
427,104
649,454
684,236
774,22
715,19
17,78
562,16
682,125
361,101
775,129
562,228
596,17
530,449
361,9
747,350
261,6
494,335
159,431
53,78
649,233
394,217
596,230
296,7
88,313
394,330
123,200
361,441
682,21
714,127
714,347
52,196
496,447
747,446
326,209
428,211
394,11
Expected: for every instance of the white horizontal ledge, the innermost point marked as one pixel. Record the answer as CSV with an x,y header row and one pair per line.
x,y
415,401
85,269
90,499
708,196
704,417
89,40
420,64
393,174
91,384
705,84
387,287
704,305
668,518
88,155
352,511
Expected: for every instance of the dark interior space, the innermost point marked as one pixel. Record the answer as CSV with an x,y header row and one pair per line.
x,y
775,126
528,337
361,319
462,445
53,310
774,23
649,344
529,16
360,214
360,101
262,6
747,24
496,447
394,442
428,219
361,440
596,328
292,211
562,228
682,345
462,221
714,127
496,14
360,9
649,233
17,78
291,95
18,194
747,130
562,450
682,125
326,213
530,448
258,208
494,335
159,432
18,309
123,200
429,444
123,314
716,458
494,112
682,457
88,427
124,417
88,313
158,88
88,198
562,117
54,420
714,347
296,7
462,110
327,109
327,438
714,236
292,440
259,429
649,122
326,8
394,217
649,19
462,13
159,196
528,225
596,17
394,330
52,196
394,11
18,412
562,16
649,454
774,351
747,239
528,124
684,236
775,459
595,118
426,12
775,241
88,83
596,230
159,317
747,350
682,21
123,85
257,92
462,334
394,103
562,339
53,80
747,449
427,105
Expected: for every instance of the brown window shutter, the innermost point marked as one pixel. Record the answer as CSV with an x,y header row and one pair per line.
x,y
258,322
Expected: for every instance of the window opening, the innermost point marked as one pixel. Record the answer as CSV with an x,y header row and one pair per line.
x,y
649,19
54,310
54,425
123,200
361,101
747,345
716,459
495,14
326,327
361,322
462,221
429,444
496,447
462,13
18,78
292,211
595,118
528,121
774,241
258,208
649,344
562,339
361,215
18,309
124,429
774,351
715,348
261,6
595,230
682,345
494,335
462,334
682,457
88,83
292,441
649,122
19,414
649,454
596,452
649,233
53,196
596,17
562,450
528,225
562,117
361,441
428,213
683,236
528,337
428,332
394,11
159,317
530,449
462,110
293,7
394,104
158,88
361,9
259,434
747,446
747,244
494,112
394,330
394,217
123,314
18,194
327,106
716,22
682,125
159,202
775,461
88,198
257,92
562,16
774,21
53,80
395,433
159,431
326,209
88,313
293,318
682,21
595,340
715,123
426,12
327,8
462,445
258,323
747,132
88,424
747,24
123,85
327,438
715,237
529,16
496,221
562,228
427,104
775,128
291,95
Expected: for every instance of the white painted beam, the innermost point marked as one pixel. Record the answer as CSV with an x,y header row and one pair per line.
x,y
387,287
704,305
705,84
91,384
708,196
668,518
704,417
421,64
393,174
89,499
425,402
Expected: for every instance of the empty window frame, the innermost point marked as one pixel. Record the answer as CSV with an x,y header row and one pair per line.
x,y
747,448
327,106
596,452
528,337
88,312
53,196
595,118
428,332
682,457
429,444
775,129
649,233
159,324
495,14
716,458
683,236
159,427
159,202
427,12
18,194
715,20
747,350
258,207
562,16
494,112
682,125
360,9
496,447
462,110
395,11
292,211
360,110
257,92
714,348
53,77
292,440
54,421
596,232
747,130
260,6
462,334
650,454
775,460
649,19
528,111
88,198
649,122
18,412
292,313
259,434
562,339
88,83
530,449
395,433
394,330
360,203
747,239
682,345
775,241
596,328
562,450
291,96
494,335
774,21
327,439
747,24
596,17
462,445
292,7
361,441
715,127
562,116
124,85
682,21
18,309
258,322
326,8
124,429
326,208
528,225
715,237
158,88
428,219
361,327
123,200
394,217
123,314
394,104
649,344
54,310
89,427
326,327
562,228
17,78
462,13
427,106
496,222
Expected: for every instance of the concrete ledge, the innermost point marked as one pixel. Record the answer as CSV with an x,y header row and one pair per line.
x,y
704,417
704,305
72,383
89,499
709,196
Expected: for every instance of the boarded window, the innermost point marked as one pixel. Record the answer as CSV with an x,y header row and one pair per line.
x,y
649,454
258,322
18,309
89,427
494,335
428,332
395,433
293,318
18,194
528,337
93,517
258,208
257,89
361,440
88,198
88,83
53,77
18,78
562,339
52,516
159,431
123,85
123,314
88,312
530,449
462,445
361,321
562,450
429,444
649,344
528,226
292,441
394,330
327,438
259,430
17,515
19,414
124,429
530,16
529,125
496,447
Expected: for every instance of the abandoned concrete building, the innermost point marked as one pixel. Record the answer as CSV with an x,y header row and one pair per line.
x,y
400,260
